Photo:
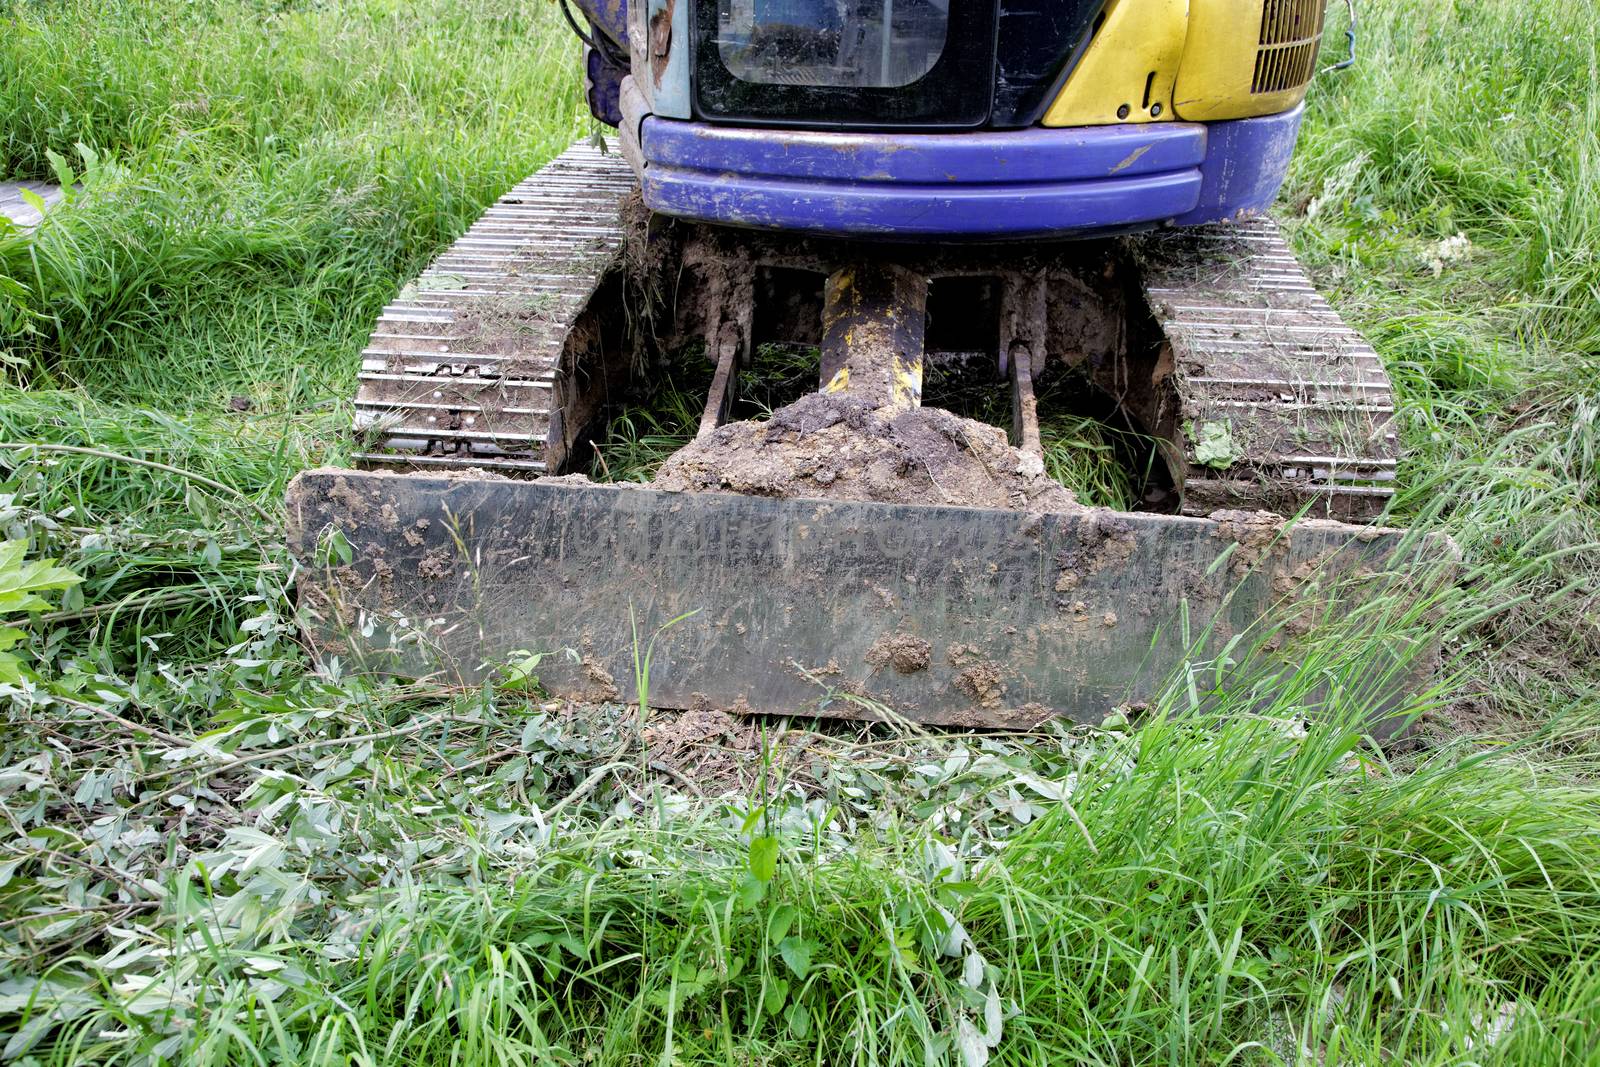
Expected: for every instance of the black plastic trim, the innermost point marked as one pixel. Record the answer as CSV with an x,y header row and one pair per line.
x,y
1036,108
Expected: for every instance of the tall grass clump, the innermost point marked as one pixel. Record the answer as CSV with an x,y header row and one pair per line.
x,y
171,521
248,185
1443,192
259,179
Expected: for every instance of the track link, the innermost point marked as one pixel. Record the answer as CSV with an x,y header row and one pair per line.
x,y
1284,404
461,369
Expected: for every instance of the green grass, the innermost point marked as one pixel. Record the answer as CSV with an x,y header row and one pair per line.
x,y
1479,121
662,415
212,854
1104,464
269,174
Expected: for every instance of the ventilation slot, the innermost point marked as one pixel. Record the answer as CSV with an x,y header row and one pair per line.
x,y
1290,32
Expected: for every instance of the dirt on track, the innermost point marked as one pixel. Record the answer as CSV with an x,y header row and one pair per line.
x,y
835,447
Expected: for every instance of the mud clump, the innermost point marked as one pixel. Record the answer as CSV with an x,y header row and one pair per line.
x,y
836,447
585,480
671,735
961,655
602,685
906,653
467,474
385,578
436,564
1104,543
984,683
415,535
354,504
1257,533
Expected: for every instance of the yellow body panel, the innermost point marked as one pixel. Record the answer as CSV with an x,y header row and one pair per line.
x,y
1238,64
1132,63
1201,60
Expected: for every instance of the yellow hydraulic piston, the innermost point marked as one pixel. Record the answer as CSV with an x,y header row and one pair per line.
x,y
874,318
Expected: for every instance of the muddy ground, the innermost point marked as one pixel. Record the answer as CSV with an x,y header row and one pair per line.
x,y
835,447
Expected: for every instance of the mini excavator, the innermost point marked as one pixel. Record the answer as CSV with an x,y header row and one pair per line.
x,y
1056,202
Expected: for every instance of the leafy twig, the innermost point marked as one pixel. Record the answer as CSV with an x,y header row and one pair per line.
x,y
107,713
287,750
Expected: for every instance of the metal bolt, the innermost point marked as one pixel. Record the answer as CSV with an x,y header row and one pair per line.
x,y
1122,112
1155,109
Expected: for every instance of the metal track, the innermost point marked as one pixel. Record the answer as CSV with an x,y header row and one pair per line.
x,y
20,211
1296,404
461,368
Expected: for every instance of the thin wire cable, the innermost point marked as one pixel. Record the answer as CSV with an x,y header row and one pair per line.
x,y
584,37
598,41
1350,39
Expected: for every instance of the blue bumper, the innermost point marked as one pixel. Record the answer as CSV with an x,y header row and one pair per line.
x,y
992,183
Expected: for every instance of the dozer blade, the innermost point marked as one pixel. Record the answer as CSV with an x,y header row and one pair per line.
x,y
947,615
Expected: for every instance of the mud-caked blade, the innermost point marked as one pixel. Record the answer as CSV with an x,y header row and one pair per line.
x,y
944,614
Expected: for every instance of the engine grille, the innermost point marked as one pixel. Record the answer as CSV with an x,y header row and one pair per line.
x,y
1290,33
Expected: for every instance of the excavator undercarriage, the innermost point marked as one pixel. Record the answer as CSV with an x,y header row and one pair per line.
x,y
862,550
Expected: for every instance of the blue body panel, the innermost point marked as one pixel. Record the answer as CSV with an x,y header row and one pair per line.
x,y
1029,156
894,209
1245,162
986,183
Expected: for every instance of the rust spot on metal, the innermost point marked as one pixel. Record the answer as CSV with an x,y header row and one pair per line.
x,y
661,41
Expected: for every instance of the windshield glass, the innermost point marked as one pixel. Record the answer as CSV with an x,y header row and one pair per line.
x,y
864,44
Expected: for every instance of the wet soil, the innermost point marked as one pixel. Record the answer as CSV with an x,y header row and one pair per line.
x,y
906,653
839,448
